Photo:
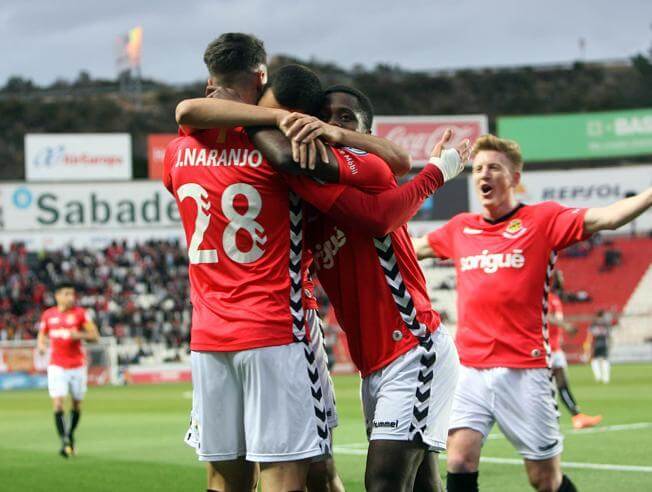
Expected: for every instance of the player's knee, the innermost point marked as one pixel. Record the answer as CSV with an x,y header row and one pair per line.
x,y
544,481
461,462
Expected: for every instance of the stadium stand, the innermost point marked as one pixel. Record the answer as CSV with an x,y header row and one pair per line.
x,y
622,288
138,291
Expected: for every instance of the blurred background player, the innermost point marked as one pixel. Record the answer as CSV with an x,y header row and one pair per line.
x,y
504,258
66,325
558,362
601,332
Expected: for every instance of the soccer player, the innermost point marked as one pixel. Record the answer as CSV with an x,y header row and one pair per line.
x,y
601,330
378,292
66,325
250,355
504,257
558,358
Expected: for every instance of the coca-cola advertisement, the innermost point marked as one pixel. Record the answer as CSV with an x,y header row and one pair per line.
x,y
419,134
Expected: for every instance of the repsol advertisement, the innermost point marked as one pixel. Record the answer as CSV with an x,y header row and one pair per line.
x,y
582,188
87,206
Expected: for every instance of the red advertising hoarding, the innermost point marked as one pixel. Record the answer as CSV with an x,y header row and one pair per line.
x,y
156,144
419,134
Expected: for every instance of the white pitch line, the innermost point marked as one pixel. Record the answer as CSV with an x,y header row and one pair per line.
x,y
573,464
593,430
514,461
360,449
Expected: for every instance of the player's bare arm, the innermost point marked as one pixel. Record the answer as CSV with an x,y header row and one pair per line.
x,y
222,109
89,333
617,214
422,248
217,111
41,342
319,161
303,129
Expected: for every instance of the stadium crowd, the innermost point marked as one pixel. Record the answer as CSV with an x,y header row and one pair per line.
x,y
131,290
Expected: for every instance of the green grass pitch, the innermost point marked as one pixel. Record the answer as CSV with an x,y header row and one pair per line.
x,y
130,439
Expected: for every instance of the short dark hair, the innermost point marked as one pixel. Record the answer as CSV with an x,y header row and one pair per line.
x,y
364,102
297,87
234,52
64,284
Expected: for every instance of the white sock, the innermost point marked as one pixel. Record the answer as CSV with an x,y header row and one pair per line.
x,y
597,373
606,370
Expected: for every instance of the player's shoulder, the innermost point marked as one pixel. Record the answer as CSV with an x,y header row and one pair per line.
x,y
464,219
48,312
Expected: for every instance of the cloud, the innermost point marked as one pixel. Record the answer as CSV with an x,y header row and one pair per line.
x,y
48,39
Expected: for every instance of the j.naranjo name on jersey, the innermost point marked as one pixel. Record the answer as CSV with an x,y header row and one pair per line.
x,y
217,157
490,263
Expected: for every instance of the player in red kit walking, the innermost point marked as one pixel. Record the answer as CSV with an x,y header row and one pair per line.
x,y
66,325
504,258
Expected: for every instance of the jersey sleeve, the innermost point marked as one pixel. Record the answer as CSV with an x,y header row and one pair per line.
x,y
565,225
321,196
441,241
362,170
168,163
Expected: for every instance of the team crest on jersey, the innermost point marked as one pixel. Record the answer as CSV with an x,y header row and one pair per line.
x,y
353,150
514,229
70,319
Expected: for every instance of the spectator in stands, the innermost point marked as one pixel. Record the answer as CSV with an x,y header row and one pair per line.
x,y
612,258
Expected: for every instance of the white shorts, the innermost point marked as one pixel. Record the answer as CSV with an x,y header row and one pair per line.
x,y
62,380
263,404
558,360
321,359
522,403
411,398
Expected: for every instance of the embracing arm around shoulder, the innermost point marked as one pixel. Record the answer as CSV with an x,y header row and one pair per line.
x,y
617,214
422,248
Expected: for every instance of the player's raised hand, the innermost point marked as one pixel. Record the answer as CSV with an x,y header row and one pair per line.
x,y
450,161
439,146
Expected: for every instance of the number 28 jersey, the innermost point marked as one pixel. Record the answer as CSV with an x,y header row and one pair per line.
x,y
243,227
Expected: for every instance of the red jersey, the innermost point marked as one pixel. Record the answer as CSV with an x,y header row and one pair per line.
x,y
244,230
554,331
58,325
503,274
375,285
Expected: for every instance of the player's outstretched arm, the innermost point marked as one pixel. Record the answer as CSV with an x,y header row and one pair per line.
x,y
617,214
214,112
422,248
303,129
90,332
314,159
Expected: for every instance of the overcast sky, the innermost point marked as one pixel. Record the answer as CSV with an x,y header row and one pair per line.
x,y
49,39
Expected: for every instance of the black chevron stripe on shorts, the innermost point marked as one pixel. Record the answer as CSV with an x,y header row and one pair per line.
x,y
296,251
406,309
